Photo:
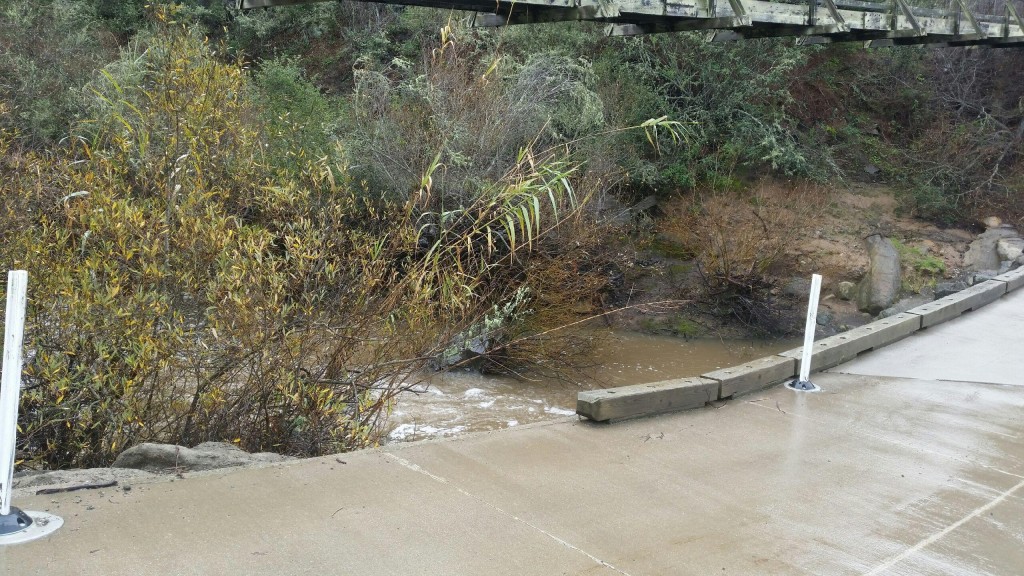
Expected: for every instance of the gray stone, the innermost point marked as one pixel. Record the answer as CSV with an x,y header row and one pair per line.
x,y
824,318
880,287
846,290
904,305
168,458
1009,248
982,254
943,289
797,288
66,478
983,276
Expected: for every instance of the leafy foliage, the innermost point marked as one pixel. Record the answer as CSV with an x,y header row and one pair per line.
x,y
185,288
42,87
736,240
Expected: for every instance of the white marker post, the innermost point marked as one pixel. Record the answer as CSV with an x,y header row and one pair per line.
x,y
15,525
10,380
803,382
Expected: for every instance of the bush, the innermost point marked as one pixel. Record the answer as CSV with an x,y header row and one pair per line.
x,y
42,86
736,239
919,268
473,111
184,288
297,116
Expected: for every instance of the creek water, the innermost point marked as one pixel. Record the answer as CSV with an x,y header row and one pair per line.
x,y
464,401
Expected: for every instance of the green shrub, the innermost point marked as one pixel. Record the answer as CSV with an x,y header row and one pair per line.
x,y
185,289
919,268
736,239
48,51
297,116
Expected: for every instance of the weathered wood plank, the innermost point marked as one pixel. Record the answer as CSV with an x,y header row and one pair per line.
x,y
639,400
753,375
824,21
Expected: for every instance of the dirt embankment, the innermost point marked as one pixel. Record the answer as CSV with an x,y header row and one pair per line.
x,y
825,231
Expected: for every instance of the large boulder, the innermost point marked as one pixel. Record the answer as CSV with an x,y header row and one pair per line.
x,y
1009,248
168,458
881,286
904,305
983,253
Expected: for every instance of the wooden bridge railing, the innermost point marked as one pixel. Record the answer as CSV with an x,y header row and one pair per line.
x,y
885,23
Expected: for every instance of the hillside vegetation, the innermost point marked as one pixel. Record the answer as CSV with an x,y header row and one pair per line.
x,y
260,227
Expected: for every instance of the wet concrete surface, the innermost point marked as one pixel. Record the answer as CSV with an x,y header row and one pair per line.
x,y
985,346
873,475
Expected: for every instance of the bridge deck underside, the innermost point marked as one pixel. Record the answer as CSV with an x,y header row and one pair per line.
x,y
887,23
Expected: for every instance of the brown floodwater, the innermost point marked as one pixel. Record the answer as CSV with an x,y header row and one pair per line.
x,y
465,401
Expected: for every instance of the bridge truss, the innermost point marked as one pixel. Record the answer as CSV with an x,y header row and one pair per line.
x,y
885,23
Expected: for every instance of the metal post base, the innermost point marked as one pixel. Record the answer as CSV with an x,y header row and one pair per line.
x,y
803,386
16,521
25,526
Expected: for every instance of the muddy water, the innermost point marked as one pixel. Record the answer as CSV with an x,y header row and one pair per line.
x,y
460,402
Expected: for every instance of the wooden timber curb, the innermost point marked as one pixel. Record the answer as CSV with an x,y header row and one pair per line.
x,y
614,404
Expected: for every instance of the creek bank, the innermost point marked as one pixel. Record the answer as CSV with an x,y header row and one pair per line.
x,y
875,260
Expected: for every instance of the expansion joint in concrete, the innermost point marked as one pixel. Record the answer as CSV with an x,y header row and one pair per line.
x,y
416,468
922,544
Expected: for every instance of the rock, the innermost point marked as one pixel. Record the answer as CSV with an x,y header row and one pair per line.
x,y
645,204
824,318
797,288
1017,263
880,287
943,289
991,222
982,254
904,305
62,478
846,290
872,169
1009,248
168,458
983,276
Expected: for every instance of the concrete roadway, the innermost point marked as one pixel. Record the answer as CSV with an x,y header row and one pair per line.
x,y
910,462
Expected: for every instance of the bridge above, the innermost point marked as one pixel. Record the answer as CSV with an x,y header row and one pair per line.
x,y
886,23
